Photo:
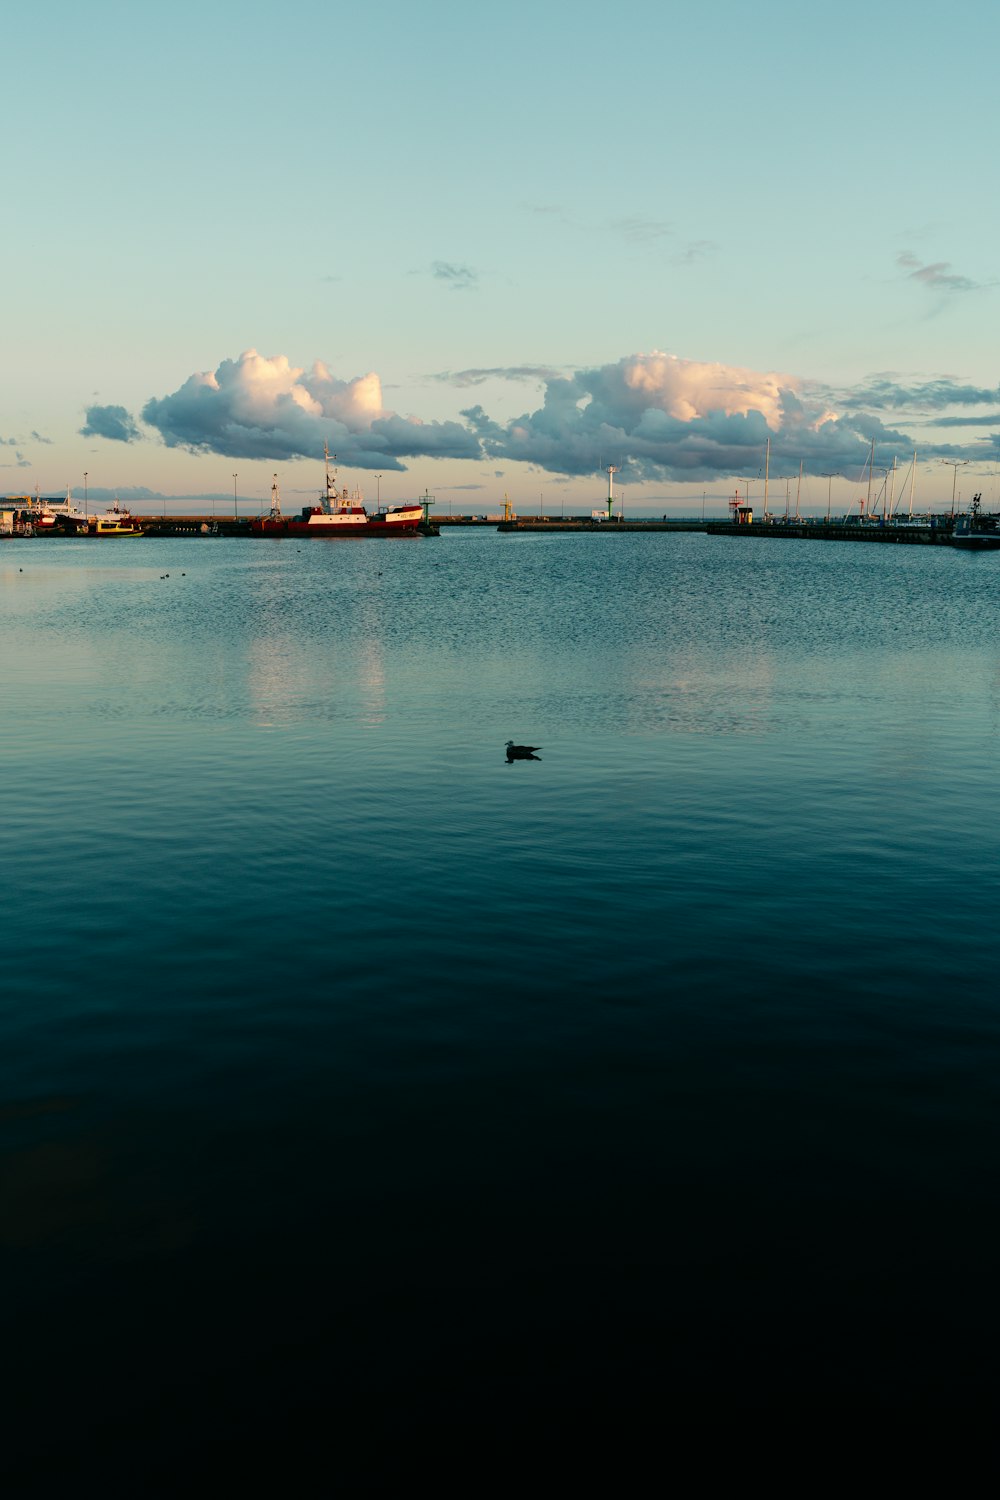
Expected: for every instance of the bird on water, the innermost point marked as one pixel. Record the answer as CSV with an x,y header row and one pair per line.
x,y
521,752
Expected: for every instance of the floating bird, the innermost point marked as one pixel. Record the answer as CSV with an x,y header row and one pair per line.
x,y
521,752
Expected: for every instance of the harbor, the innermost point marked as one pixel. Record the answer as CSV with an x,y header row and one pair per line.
x,y
934,530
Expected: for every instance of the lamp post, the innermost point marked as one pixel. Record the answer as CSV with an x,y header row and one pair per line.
x,y
236,503
954,464
86,506
378,492
829,487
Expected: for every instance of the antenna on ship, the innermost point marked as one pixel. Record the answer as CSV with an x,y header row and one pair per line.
x,y
275,500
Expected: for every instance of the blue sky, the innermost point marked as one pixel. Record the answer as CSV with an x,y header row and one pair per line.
x,y
491,250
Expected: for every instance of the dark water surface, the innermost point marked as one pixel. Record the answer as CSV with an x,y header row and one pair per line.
x,y
360,1092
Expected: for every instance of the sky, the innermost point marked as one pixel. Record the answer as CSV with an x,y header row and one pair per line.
x,y
481,251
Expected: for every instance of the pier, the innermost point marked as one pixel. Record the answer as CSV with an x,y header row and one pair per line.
x,y
929,532
592,524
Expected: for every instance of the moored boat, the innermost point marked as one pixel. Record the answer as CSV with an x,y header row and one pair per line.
x,y
975,532
115,525
66,520
49,517
339,515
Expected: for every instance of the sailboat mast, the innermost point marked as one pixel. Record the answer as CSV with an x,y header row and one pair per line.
x,y
767,465
913,475
798,492
871,460
892,490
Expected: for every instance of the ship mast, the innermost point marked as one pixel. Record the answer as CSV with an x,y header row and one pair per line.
x,y
275,501
331,483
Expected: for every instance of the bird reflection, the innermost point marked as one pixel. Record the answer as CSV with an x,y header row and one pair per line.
x,y
521,752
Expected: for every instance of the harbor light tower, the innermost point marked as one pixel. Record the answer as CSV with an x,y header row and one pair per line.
x,y
612,471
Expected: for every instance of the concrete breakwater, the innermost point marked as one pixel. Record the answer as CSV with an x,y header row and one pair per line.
x,y
936,531
585,523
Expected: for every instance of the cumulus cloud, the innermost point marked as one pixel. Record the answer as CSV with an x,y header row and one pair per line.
x,y
112,422
937,276
668,418
264,407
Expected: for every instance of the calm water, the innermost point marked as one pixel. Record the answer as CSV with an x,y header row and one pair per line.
x,y
359,1089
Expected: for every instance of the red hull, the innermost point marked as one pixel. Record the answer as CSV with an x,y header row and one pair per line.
x,y
267,527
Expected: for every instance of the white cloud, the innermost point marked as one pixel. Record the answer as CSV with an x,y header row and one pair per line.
x,y
260,406
665,416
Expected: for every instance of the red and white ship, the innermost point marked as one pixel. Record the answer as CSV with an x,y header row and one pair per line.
x,y
46,517
339,514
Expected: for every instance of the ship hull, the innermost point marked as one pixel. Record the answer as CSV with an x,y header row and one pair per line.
x,y
331,528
